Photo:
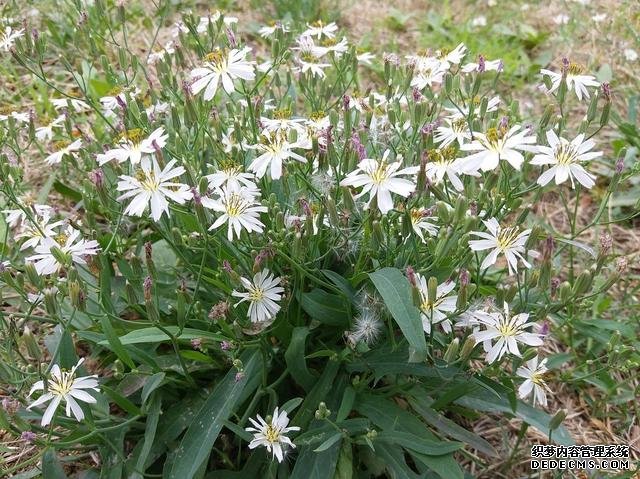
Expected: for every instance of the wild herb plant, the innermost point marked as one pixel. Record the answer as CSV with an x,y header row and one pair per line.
x,y
253,257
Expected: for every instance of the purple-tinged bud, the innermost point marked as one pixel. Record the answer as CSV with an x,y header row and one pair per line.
x,y
463,277
28,436
219,311
473,208
345,102
306,208
146,286
544,329
565,65
622,264
226,345
239,376
500,66
606,242
197,199
548,248
391,58
481,64
504,123
226,266
148,250
358,146
97,178
11,406
231,38
411,276
35,34
196,343
620,165
121,102
417,96
555,284
606,90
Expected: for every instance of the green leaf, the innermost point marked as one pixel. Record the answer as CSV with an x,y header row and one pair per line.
x,y
449,428
67,191
51,467
156,335
419,444
344,468
329,442
114,342
151,385
323,386
294,357
483,400
395,462
346,404
197,442
316,465
325,307
341,283
149,436
396,293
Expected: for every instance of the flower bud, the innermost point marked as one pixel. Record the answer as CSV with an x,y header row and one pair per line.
x,y
451,353
467,347
583,283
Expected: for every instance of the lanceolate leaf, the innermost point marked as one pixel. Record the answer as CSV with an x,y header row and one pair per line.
x,y
295,358
197,442
396,293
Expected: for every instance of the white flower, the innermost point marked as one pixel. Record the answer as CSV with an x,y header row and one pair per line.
x,y
489,65
456,129
240,208
497,145
115,99
64,386
599,17
152,186
455,56
156,109
440,165
428,74
533,373
561,19
231,176
133,146
436,312
68,242
566,157
272,434
284,124
365,58
18,216
8,38
46,132
508,330
220,66
479,21
168,49
204,22
275,148
508,241
421,221
380,179
36,233
269,30
19,117
630,54
68,150
263,295
575,80
319,29
76,104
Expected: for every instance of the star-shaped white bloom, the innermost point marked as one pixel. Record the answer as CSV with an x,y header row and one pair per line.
x,y
9,37
271,434
152,186
134,145
36,233
231,176
222,67
379,179
263,295
507,330
508,241
456,129
575,81
320,29
497,145
45,132
275,149
64,386
67,150
533,373
240,208
421,221
436,312
69,243
441,164
565,157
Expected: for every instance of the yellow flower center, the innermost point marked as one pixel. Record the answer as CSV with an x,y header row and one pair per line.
x,y
60,145
379,174
115,91
61,239
61,386
255,295
575,69
134,135
235,205
272,434
147,181
565,154
506,237
282,114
